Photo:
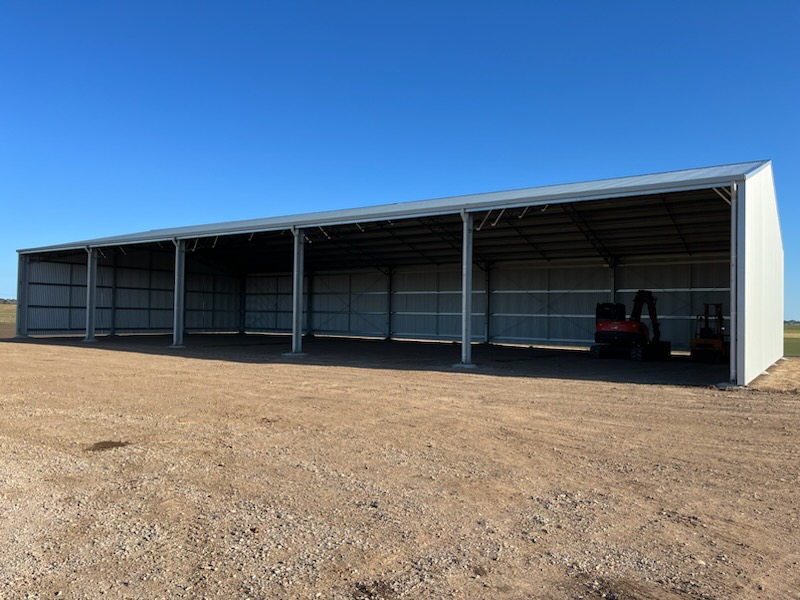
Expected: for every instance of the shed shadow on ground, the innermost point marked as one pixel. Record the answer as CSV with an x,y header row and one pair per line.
x,y
513,361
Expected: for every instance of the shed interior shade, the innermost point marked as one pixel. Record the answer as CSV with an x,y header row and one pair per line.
x,y
613,231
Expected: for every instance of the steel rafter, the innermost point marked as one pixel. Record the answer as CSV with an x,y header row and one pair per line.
x,y
589,234
528,239
665,204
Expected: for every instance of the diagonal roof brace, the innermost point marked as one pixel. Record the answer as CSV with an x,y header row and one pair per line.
x,y
509,221
442,233
725,194
404,242
675,224
589,234
352,250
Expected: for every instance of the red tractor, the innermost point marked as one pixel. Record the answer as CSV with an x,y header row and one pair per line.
x,y
614,335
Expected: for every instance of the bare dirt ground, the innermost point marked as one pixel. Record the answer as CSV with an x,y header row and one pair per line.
x,y
226,470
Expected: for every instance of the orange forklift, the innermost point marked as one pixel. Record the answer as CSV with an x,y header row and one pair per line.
x,y
615,336
709,344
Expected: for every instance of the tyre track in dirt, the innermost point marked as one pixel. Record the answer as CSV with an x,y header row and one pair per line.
x,y
271,480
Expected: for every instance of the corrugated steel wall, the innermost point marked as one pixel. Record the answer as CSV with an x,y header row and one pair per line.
x,y
760,256
212,299
268,302
426,303
143,292
349,303
681,289
134,294
546,304
528,303
57,296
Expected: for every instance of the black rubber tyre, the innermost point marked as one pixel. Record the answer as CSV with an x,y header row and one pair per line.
x,y
663,350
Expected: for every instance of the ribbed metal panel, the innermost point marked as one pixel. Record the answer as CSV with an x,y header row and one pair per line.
x,y
519,328
78,296
531,303
132,319
161,299
56,273
415,302
163,261
571,329
48,295
132,298
77,319
57,296
133,278
268,302
681,290
78,274
331,304
426,303
46,319
350,303
103,319
162,280
760,257
161,319
105,275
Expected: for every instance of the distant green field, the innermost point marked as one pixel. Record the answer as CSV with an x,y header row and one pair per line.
x,y
8,314
791,340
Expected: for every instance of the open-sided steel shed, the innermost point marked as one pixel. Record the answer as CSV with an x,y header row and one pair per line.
x,y
524,266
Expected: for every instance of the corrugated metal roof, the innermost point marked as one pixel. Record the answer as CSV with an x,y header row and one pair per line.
x,y
620,187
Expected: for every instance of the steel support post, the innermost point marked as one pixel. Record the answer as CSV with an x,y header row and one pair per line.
x,y
309,316
466,290
23,275
113,317
737,282
389,302
91,294
297,292
487,335
242,304
179,295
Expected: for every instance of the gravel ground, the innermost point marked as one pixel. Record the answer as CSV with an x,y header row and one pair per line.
x,y
127,471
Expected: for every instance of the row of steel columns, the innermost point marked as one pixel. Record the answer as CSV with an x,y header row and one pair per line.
x,y
297,292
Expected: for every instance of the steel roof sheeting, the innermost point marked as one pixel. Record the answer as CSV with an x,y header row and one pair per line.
x,y
621,187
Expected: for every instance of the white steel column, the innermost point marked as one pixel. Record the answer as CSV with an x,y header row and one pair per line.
x,y
487,318
91,294
113,317
297,292
737,285
23,275
466,290
179,294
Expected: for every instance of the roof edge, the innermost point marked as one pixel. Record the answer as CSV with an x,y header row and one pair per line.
x,y
559,193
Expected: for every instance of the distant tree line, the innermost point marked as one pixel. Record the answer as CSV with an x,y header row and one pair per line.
x,y
7,301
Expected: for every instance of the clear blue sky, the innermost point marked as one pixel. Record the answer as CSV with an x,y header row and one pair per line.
x,y
118,117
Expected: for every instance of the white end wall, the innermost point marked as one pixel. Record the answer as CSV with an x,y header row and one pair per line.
x,y
761,253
